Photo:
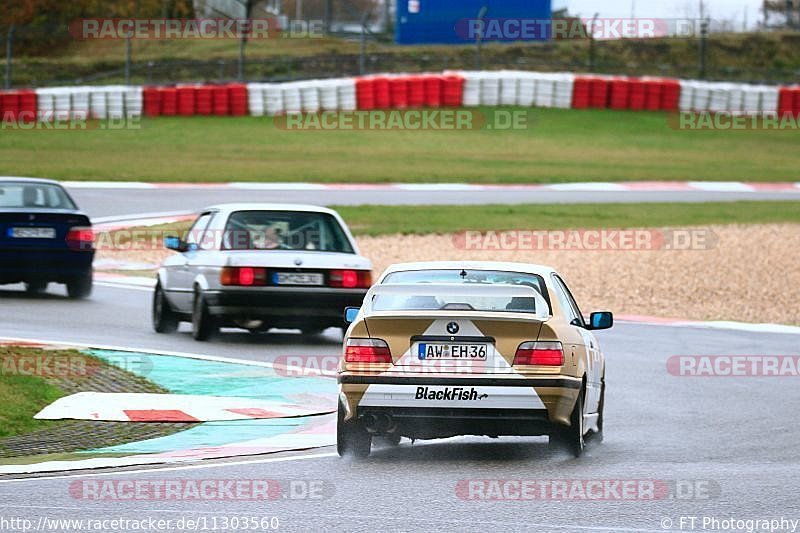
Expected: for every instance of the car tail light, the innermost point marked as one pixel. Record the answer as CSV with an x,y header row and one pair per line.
x,y
350,279
244,276
540,353
80,238
367,351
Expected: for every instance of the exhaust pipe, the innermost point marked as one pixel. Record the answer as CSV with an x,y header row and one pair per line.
x,y
385,423
369,421
378,423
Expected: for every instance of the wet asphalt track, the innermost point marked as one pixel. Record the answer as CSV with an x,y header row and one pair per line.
x,y
735,436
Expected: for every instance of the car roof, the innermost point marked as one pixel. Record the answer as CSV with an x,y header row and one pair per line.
x,y
20,179
229,208
501,266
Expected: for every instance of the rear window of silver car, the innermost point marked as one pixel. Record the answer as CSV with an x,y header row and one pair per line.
x,y
34,195
285,230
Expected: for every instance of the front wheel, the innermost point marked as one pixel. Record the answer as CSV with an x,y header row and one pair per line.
x,y
203,324
80,287
165,320
597,436
352,439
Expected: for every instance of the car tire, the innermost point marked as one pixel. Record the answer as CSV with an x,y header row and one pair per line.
x,y
204,326
352,438
572,438
36,287
165,320
313,331
80,287
597,436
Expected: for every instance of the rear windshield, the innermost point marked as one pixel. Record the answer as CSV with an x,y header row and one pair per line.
x,y
458,297
285,230
470,278
34,195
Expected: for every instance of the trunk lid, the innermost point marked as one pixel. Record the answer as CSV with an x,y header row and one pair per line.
x,y
38,229
427,344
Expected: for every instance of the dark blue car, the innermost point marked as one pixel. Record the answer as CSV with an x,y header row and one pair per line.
x,y
44,238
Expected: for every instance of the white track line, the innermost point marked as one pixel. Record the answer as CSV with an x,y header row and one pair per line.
x,y
122,285
175,468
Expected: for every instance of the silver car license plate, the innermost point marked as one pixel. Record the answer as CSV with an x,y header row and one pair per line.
x,y
295,278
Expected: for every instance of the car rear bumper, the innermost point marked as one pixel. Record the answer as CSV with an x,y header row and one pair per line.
x,y
43,265
437,406
286,306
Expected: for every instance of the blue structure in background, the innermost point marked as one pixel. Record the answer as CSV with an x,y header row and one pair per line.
x,y
456,21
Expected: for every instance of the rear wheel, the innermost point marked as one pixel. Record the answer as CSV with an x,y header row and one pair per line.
x,y
35,287
572,438
203,324
352,438
80,286
165,320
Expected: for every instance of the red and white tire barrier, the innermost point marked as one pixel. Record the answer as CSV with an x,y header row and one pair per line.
x,y
135,407
401,91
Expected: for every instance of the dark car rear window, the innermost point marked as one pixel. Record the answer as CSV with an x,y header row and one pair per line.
x,y
285,230
34,195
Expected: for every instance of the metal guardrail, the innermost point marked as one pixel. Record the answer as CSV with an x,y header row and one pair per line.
x,y
42,73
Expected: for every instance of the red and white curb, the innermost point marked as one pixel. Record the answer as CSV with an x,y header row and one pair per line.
x,y
116,223
633,186
141,407
318,433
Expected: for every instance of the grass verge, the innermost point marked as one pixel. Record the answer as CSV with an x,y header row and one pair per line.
x,y
21,397
559,145
375,220
388,220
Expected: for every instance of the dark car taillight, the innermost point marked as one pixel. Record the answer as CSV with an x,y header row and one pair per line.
x,y
243,276
350,279
80,238
540,353
367,351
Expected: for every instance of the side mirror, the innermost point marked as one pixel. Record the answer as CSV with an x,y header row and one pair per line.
x,y
350,314
174,243
603,320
